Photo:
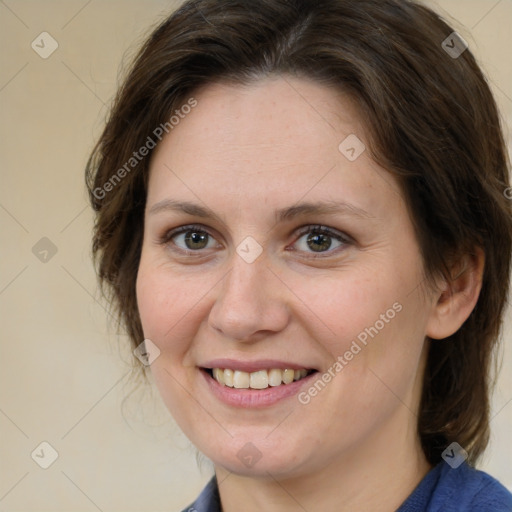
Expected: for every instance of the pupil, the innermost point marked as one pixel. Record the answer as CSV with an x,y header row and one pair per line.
x,y
318,239
195,238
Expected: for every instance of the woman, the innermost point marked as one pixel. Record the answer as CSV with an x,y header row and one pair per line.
x,y
300,209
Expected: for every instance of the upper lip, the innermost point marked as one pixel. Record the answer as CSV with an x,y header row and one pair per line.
x,y
254,366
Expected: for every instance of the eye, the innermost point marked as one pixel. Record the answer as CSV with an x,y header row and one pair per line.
x,y
319,239
189,239
194,238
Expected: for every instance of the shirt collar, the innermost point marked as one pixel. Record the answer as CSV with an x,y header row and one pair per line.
x,y
208,500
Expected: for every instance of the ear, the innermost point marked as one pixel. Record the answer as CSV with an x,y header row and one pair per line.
x,y
456,298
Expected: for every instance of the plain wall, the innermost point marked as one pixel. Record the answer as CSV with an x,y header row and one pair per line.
x,y
63,373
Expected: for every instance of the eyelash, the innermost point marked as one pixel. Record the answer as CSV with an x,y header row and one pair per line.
x,y
317,229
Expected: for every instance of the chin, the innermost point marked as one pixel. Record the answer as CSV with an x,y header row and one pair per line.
x,y
262,459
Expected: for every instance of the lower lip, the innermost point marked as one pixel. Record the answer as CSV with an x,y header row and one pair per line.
x,y
253,398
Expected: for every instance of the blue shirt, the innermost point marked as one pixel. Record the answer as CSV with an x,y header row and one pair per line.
x,y
443,489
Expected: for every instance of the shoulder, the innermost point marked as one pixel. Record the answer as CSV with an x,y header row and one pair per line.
x,y
444,489
470,490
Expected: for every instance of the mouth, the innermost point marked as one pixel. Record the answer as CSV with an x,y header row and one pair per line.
x,y
257,380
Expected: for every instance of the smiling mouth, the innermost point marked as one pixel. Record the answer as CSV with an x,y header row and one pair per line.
x,y
261,379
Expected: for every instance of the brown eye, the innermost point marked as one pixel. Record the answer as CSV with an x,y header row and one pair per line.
x,y
196,240
318,242
320,239
189,238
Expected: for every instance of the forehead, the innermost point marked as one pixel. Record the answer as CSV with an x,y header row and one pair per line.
x,y
275,116
273,141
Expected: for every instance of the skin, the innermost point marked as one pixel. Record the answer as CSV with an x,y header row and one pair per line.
x,y
244,152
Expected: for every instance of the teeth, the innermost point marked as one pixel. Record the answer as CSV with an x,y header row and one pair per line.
x,y
228,377
218,375
241,380
275,377
288,376
261,379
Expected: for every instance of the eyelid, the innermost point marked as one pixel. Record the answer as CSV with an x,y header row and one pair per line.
x,y
183,229
322,228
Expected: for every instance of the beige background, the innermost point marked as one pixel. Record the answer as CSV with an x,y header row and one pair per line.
x,y
63,377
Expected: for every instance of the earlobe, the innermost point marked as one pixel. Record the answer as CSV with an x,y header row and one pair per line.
x,y
458,296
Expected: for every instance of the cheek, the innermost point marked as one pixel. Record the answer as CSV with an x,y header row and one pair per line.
x,y
375,331
342,309
166,306
374,320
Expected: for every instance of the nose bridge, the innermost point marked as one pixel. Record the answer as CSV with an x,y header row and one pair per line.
x,y
249,300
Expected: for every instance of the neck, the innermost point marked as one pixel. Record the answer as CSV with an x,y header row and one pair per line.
x,y
377,475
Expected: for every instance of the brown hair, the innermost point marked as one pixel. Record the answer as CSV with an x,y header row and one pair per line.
x,y
431,121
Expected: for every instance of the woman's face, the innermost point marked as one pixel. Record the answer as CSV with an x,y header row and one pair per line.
x,y
252,285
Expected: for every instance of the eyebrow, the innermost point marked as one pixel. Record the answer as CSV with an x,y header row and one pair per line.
x,y
283,214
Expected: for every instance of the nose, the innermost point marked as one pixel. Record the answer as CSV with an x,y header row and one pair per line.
x,y
251,302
